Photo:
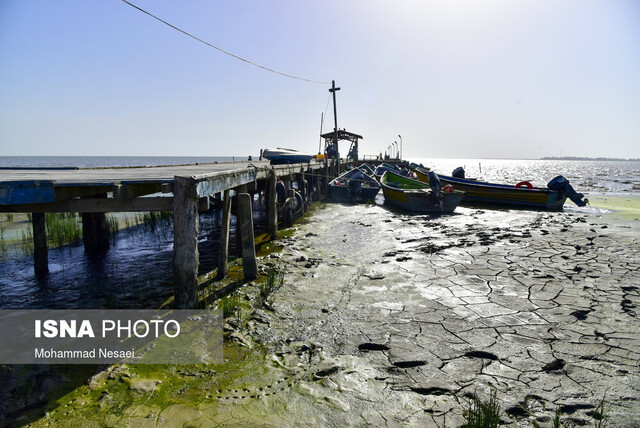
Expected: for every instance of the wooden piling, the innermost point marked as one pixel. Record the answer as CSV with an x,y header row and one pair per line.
x,y
40,253
185,242
95,233
302,189
245,220
238,190
223,249
273,207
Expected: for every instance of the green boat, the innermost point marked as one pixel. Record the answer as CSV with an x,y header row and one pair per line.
x,y
416,196
521,196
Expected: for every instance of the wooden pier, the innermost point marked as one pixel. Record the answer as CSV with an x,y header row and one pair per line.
x,y
186,190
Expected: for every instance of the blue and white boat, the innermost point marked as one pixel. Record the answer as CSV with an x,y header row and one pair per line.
x,y
284,156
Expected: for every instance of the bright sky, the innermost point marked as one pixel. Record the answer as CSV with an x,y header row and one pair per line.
x,y
506,79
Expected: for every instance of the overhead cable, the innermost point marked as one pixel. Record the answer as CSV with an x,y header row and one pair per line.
x,y
222,50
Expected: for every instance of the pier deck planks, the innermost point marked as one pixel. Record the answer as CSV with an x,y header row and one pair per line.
x,y
44,186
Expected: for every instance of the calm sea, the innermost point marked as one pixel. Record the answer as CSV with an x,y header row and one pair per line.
x,y
100,161
585,176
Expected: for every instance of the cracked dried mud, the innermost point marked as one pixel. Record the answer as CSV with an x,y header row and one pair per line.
x,y
415,314
391,319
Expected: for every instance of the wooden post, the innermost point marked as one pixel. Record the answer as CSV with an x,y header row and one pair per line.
x,y
273,207
316,187
95,233
335,119
238,190
245,219
306,196
302,189
185,242
223,252
40,253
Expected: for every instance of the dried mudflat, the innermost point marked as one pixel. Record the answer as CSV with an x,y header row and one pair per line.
x,y
395,319
392,319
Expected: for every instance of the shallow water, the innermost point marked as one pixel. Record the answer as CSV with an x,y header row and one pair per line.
x,y
136,272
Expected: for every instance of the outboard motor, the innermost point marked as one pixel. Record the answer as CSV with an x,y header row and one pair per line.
x,y
355,183
458,172
434,182
562,184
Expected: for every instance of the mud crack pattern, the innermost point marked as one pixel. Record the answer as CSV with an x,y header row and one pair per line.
x,y
541,307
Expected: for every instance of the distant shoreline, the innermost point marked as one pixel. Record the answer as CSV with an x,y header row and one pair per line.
x,y
579,158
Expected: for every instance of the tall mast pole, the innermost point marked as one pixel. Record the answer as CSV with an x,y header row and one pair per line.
x,y
335,119
321,125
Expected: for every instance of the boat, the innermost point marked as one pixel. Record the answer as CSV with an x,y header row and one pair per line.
x,y
383,167
523,195
368,169
416,196
285,156
355,185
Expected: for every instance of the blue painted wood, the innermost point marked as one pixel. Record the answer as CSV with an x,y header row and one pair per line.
x,y
26,192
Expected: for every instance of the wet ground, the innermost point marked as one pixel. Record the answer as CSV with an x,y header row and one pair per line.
x,y
414,314
391,319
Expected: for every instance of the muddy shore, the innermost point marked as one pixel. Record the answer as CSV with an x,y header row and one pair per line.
x,y
392,319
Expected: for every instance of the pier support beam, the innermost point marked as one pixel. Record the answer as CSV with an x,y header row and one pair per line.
x,y
223,249
185,242
238,190
245,220
40,253
273,207
95,233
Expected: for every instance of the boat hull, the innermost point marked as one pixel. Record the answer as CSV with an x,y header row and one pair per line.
x,y
481,193
354,186
285,156
342,194
418,198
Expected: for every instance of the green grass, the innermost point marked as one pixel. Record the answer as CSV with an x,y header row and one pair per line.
x,y
273,280
26,241
556,419
230,306
482,414
3,244
112,226
63,228
601,414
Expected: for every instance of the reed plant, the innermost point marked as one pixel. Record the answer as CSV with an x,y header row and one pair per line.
x,y
3,244
273,280
153,222
482,414
26,241
112,226
9,216
556,418
230,306
63,228
601,414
